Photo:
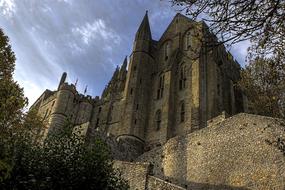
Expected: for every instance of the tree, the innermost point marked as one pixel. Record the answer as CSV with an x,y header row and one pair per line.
x,y
263,81
261,21
12,100
63,161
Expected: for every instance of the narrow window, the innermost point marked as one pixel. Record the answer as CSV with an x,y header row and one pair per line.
x,y
100,109
160,87
218,89
166,51
137,107
135,121
97,122
218,81
135,68
182,77
131,91
157,119
182,112
188,41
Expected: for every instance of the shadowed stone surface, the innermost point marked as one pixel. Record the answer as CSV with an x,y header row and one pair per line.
x,y
240,152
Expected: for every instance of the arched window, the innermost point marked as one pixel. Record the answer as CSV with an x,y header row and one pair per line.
x,y
187,40
160,87
166,50
182,77
182,112
157,119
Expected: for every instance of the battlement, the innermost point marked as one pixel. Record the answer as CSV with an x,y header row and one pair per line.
x,y
69,87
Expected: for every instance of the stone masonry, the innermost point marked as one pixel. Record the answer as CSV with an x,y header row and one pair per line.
x,y
162,114
169,87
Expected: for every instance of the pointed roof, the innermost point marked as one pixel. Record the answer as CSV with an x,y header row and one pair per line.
x,y
124,66
144,32
180,16
123,69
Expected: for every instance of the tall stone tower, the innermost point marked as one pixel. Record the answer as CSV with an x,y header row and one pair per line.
x,y
62,105
137,88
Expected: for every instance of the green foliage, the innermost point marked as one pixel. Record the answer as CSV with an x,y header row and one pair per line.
x,y
62,161
12,99
7,57
263,81
12,102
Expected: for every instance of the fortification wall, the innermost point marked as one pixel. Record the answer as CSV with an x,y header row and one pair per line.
x,y
137,174
240,152
154,183
134,173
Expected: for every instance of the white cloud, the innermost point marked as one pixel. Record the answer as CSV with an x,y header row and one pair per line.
x,y
7,7
96,31
65,1
75,49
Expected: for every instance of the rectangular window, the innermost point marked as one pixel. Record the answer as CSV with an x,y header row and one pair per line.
x,y
182,78
160,87
182,112
166,51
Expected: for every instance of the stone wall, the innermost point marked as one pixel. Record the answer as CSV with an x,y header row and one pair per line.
x,y
134,173
237,153
137,174
154,183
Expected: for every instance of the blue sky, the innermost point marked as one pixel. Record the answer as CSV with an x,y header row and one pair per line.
x,y
85,38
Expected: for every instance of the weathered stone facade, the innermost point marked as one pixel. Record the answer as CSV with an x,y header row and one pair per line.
x,y
169,87
150,112
241,152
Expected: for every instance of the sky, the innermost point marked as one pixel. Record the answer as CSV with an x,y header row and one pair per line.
x,y
85,38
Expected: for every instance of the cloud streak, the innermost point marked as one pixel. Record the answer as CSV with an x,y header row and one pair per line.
x,y
7,7
95,30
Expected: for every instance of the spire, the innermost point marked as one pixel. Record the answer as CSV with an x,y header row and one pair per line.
x,y
125,64
116,73
63,78
85,90
144,32
123,69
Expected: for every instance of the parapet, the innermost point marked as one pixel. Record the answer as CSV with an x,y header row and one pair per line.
x,y
69,87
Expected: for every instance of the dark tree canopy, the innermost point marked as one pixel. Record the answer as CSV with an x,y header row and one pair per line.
x,y
261,21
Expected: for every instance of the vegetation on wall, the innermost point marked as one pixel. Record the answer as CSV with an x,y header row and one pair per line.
x,y
62,161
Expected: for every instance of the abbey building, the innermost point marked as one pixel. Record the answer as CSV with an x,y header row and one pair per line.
x,y
167,87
